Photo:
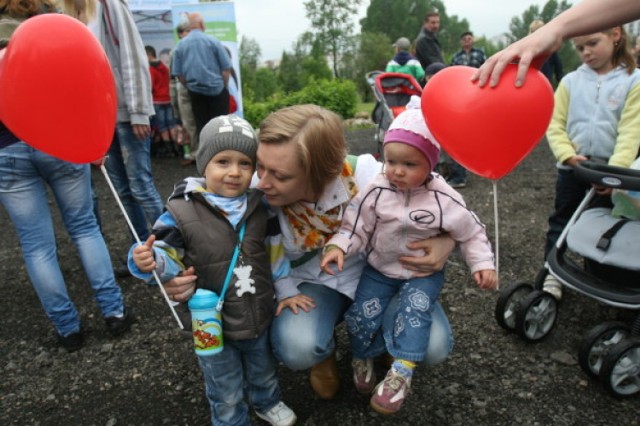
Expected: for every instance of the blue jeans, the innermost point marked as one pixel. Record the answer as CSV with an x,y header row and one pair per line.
x,y
241,364
408,325
129,167
24,175
303,340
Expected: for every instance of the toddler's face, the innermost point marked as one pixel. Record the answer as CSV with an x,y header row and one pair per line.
x,y
229,173
405,166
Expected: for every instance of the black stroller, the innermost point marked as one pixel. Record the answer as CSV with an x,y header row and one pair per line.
x,y
609,351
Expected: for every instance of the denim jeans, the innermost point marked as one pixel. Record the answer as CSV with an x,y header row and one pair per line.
x,y
303,340
408,334
129,167
241,364
24,175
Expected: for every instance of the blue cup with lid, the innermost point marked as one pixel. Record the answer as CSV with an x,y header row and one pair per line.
x,y
206,322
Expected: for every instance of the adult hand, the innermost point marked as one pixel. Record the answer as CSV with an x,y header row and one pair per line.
x,y
301,301
141,131
436,253
532,50
182,287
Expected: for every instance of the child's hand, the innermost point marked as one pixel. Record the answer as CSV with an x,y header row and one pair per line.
x,y
333,254
573,161
143,255
487,279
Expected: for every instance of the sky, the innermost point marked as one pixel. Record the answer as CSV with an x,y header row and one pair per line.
x,y
276,24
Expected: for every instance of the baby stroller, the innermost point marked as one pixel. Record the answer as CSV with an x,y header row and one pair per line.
x,y
392,92
608,248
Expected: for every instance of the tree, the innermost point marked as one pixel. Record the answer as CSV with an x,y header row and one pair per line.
x,y
249,58
404,18
331,20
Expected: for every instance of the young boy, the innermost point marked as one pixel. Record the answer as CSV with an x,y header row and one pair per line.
x,y
199,229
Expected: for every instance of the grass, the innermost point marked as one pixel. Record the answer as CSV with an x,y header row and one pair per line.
x,y
365,107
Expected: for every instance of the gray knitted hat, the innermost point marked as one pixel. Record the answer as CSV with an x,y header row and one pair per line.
x,y
222,133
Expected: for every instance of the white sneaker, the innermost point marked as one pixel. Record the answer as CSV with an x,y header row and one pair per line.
x,y
279,415
552,286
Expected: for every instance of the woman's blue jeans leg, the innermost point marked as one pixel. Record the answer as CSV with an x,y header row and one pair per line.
x,y
303,340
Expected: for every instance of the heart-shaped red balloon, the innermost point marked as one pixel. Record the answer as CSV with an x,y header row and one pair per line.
x,y
488,130
57,91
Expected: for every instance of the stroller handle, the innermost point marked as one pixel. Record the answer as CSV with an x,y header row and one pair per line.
x,y
610,176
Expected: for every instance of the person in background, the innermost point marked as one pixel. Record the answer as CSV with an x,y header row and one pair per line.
x,y
432,70
26,175
199,230
182,106
468,55
403,62
583,18
471,57
371,224
552,66
162,123
201,63
596,115
428,48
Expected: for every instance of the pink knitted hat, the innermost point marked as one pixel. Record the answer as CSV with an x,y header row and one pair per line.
x,y
409,128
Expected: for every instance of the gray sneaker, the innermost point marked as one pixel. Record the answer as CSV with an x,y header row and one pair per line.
x,y
279,415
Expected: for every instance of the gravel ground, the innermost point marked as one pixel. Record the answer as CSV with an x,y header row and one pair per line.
x,y
150,375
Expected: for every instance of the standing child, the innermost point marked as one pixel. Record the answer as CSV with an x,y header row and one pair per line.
x,y
407,202
596,115
162,123
199,229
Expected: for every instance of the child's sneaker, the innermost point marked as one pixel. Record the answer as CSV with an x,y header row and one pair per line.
x,y
390,393
364,376
279,415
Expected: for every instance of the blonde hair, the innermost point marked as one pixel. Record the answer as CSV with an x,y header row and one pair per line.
x,y
535,25
318,135
83,10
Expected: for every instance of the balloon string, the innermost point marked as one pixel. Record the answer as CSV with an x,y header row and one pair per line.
x,y
135,235
497,234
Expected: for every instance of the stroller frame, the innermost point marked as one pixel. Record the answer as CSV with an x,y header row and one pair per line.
x,y
609,351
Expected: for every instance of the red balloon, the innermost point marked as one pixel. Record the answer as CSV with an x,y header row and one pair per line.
x,y
57,91
488,130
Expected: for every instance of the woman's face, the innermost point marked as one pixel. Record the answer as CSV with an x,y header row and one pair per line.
x,y
281,176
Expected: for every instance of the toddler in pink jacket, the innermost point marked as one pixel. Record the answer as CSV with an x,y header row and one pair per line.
x,y
406,203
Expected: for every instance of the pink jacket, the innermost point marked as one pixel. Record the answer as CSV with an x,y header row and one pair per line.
x,y
380,220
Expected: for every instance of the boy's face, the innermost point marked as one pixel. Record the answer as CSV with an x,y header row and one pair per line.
x,y
404,166
228,173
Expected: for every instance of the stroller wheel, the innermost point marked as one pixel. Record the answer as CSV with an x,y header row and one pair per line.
x,y
507,302
535,315
620,372
597,342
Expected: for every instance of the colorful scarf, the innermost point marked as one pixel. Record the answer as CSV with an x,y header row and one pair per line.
x,y
312,230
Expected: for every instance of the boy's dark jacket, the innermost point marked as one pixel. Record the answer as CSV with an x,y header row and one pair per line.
x,y
209,242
